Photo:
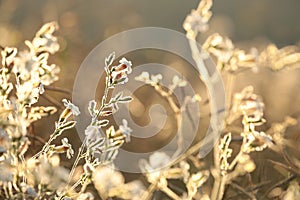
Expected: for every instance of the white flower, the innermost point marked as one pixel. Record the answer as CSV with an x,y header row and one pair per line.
x,y
92,108
156,78
196,22
94,139
92,133
119,73
48,43
157,165
70,151
143,77
27,93
74,109
125,129
44,40
26,63
179,82
159,159
119,77
127,63
41,88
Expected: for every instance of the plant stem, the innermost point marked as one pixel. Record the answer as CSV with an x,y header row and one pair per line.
x,y
104,97
57,89
280,183
52,137
215,125
235,160
76,161
250,195
176,109
147,194
222,187
170,193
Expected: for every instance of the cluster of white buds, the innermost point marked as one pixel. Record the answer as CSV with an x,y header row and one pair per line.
x,y
251,107
151,80
278,59
111,183
224,153
22,77
228,57
248,105
197,21
117,74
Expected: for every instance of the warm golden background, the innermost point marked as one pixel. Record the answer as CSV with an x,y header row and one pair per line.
x,y
84,24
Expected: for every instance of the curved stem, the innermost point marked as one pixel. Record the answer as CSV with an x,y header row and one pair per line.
x,y
57,89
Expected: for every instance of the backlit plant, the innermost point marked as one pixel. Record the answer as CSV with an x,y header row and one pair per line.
x,y
26,74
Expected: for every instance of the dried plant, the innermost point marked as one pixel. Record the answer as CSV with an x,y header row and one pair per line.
x,y
26,75
23,77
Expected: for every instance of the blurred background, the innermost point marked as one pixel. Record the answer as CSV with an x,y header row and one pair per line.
x,y
84,24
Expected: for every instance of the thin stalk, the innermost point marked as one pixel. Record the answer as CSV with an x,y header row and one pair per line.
x,y
104,97
235,160
57,89
250,195
79,156
175,108
147,194
170,193
35,137
76,184
222,188
214,123
51,100
103,105
280,183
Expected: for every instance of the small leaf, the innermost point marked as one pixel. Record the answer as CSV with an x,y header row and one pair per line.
x,y
67,125
106,113
92,108
102,123
126,99
118,96
110,59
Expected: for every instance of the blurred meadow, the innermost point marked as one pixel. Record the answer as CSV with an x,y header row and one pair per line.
x,y
84,24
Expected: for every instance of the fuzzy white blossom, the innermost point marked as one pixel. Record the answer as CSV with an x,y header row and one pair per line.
x,y
92,133
74,109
